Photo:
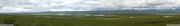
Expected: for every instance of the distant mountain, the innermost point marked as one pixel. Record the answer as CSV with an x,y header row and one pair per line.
x,y
110,12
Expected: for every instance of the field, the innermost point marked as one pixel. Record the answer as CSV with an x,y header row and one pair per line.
x,y
82,20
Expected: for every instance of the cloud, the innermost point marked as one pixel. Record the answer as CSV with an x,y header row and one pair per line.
x,y
64,10
86,5
13,9
151,4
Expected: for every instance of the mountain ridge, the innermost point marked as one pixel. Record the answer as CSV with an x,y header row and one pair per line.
x,y
113,12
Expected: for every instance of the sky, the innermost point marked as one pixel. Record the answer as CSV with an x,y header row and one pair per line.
x,y
86,5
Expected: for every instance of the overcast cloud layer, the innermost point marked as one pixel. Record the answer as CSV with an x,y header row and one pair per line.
x,y
85,5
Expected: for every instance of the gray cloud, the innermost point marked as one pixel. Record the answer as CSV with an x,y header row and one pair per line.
x,y
85,5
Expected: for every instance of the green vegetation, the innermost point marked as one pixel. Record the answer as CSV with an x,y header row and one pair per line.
x,y
77,20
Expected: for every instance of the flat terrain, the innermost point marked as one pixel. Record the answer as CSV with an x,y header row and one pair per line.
x,y
82,20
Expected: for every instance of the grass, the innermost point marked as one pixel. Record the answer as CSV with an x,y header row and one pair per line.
x,y
73,20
